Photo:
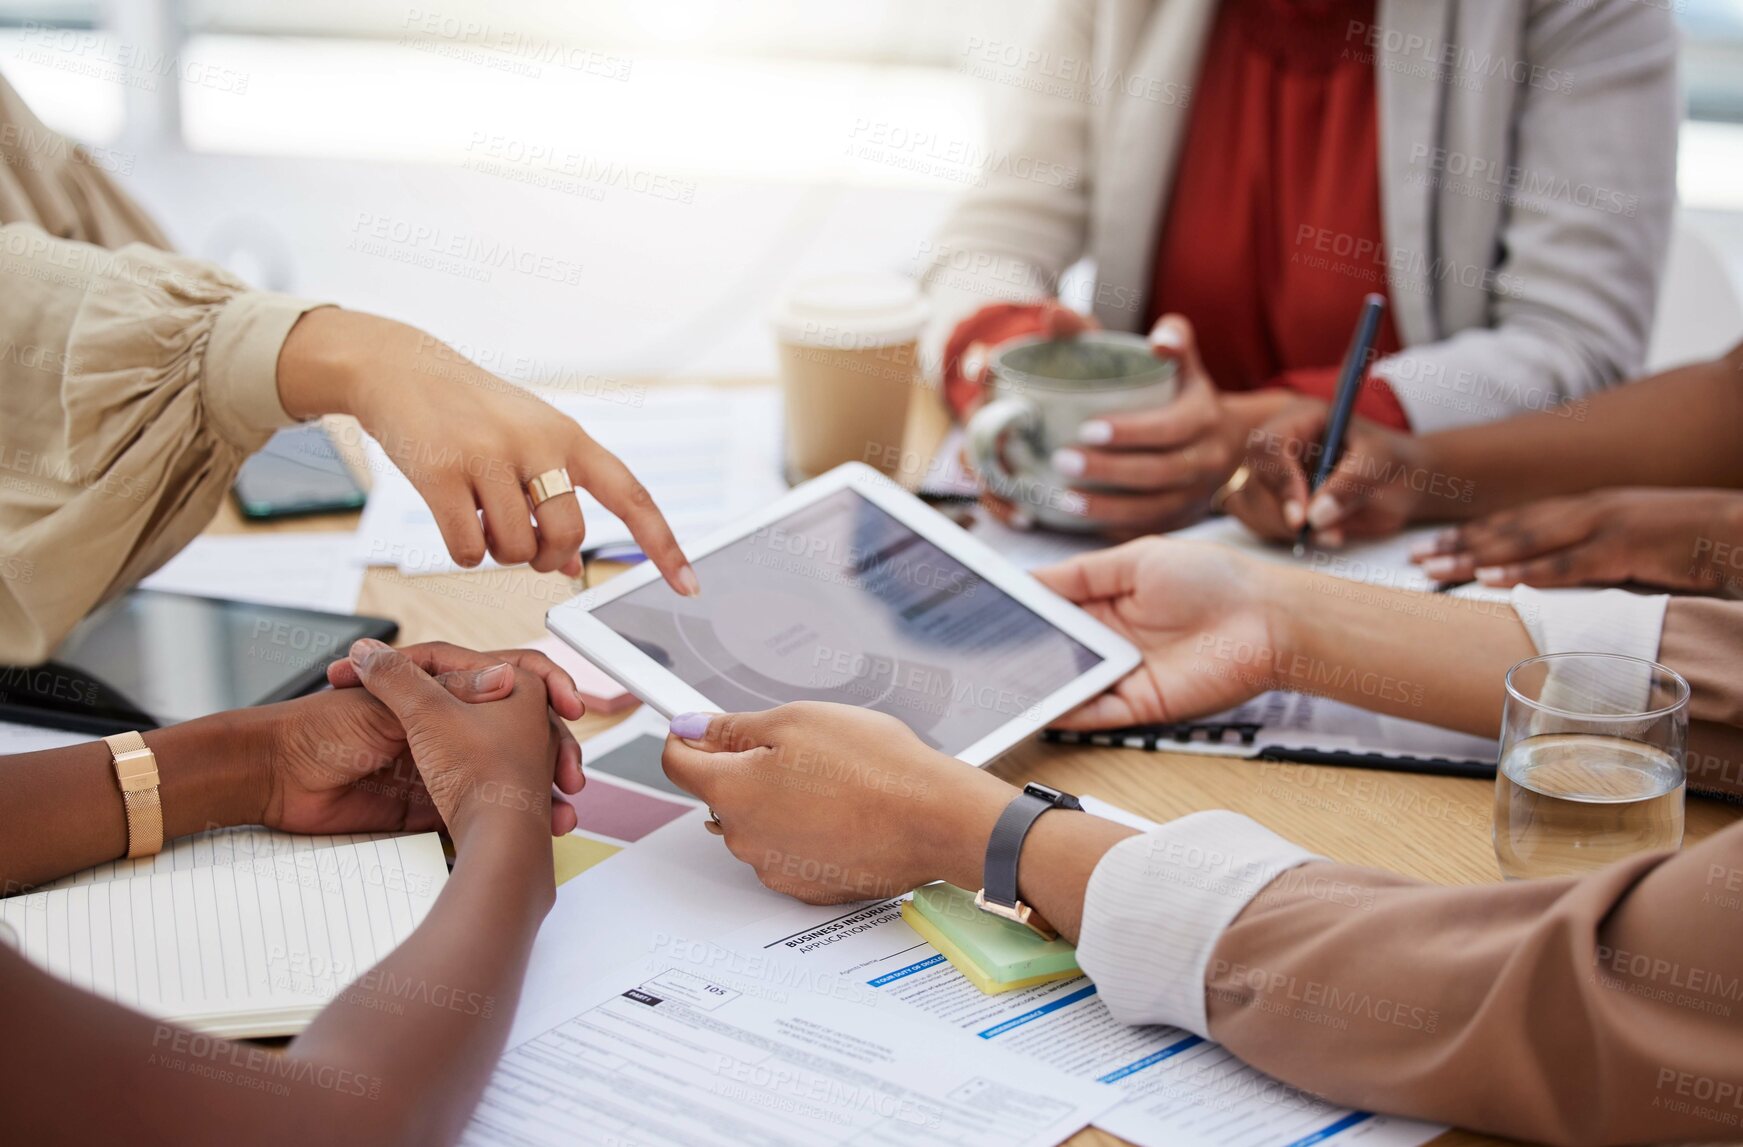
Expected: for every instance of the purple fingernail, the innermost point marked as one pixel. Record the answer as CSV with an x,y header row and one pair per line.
x,y
690,726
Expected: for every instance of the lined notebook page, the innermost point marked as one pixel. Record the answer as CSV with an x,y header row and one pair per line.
x,y
221,846
253,943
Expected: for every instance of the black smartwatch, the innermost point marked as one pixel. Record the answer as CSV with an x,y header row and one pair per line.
x,y
999,894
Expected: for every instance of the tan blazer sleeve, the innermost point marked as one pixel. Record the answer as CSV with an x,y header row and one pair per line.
x,y
1607,1009
1703,640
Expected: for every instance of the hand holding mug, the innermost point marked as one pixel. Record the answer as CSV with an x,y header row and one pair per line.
x,y
1129,452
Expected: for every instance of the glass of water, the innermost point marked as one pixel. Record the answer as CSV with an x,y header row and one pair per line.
x,y
1591,763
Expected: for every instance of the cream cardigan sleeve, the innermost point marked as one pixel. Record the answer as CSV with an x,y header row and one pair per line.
x,y
132,385
133,382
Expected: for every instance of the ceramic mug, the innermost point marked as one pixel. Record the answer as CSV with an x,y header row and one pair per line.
x,y
1040,390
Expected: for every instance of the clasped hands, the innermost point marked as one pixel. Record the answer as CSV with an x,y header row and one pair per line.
x,y
410,740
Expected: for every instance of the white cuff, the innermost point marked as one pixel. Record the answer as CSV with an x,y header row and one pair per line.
x,y
1594,621
1157,904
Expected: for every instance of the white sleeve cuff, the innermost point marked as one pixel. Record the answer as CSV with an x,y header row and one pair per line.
x,y
1157,904
1594,621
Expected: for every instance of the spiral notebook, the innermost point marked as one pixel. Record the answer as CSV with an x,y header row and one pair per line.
x,y
238,932
1310,730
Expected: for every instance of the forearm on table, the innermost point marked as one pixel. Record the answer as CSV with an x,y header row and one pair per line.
x,y
401,1056
1059,854
1427,657
1567,1011
61,810
429,1021
1674,429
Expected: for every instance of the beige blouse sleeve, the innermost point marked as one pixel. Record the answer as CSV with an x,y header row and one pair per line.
x,y
133,382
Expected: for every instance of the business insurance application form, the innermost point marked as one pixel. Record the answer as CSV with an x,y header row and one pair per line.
x,y
679,904
661,1054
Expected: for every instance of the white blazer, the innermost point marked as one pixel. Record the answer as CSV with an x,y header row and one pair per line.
x,y
1527,169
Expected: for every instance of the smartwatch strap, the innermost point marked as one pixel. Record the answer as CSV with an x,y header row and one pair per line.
x,y
136,772
999,878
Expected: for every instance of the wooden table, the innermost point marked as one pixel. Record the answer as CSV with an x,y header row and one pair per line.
x,y
1432,828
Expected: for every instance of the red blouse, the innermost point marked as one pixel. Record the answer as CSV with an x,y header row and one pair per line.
x,y
1273,233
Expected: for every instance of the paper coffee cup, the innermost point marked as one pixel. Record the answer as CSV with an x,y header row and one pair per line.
x,y
849,350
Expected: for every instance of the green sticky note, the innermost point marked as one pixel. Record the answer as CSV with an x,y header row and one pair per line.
x,y
996,955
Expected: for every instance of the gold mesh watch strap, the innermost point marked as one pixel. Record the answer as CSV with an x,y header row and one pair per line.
x,y
136,772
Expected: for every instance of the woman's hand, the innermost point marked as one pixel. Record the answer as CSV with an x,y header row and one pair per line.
x,y
1381,484
447,662
968,352
1677,539
469,442
1150,470
1205,618
489,762
339,761
831,803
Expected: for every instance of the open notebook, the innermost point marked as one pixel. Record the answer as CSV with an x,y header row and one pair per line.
x,y
239,932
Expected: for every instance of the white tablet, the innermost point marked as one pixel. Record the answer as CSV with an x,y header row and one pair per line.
x,y
851,589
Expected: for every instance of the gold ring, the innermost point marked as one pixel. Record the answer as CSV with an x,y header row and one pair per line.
x,y
1236,483
548,485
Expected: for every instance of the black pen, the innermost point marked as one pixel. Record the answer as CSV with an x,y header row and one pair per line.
x,y
1349,385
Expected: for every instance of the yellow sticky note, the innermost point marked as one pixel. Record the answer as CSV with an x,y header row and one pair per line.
x,y
574,855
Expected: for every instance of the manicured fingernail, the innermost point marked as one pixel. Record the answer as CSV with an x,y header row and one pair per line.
x,y
1441,567
1068,462
1489,575
1293,514
687,583
1073,503
973,361
690,726
1323,511
495,677
1020,520
1095,433
1166,335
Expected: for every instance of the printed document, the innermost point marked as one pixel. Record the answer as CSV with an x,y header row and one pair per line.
x,y
680,898
659,1054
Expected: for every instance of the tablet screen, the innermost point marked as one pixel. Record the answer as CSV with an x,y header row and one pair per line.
x,y
840,601
152,658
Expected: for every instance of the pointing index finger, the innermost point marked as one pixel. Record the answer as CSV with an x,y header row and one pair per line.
x,y
618,490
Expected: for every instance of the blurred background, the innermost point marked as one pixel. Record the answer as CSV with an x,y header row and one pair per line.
x,y
623,186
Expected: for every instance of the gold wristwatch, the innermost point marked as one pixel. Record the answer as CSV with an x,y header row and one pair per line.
x,y
136,770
